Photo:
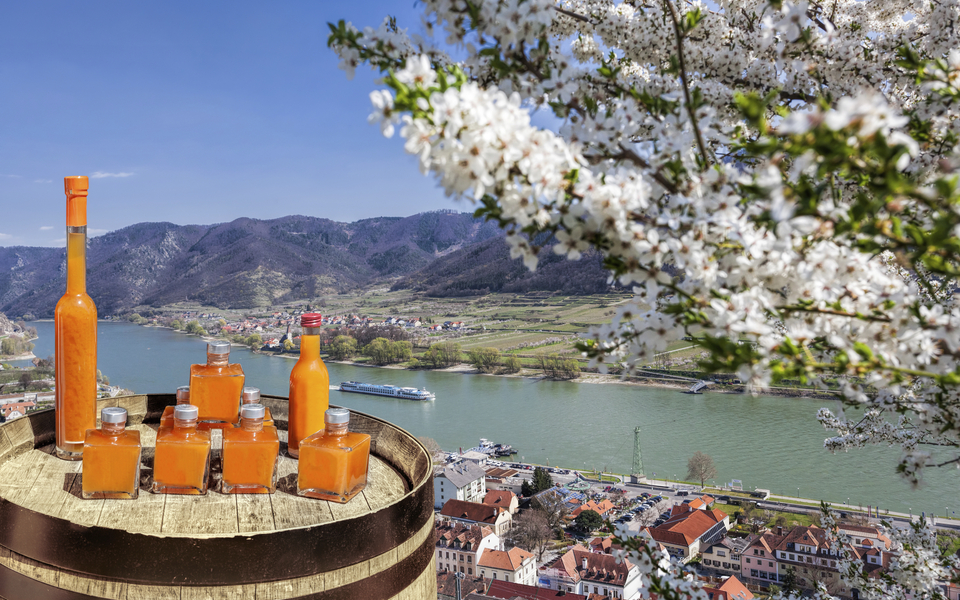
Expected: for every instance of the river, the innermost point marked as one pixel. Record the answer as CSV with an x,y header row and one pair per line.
x,y
767,442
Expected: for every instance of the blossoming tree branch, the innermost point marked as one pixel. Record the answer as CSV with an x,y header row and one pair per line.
x,y
776,179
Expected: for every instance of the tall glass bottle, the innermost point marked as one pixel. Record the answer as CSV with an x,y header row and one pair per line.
x,y
309,386
75,338
215,387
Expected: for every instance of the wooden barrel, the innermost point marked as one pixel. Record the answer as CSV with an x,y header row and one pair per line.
x,y
53,544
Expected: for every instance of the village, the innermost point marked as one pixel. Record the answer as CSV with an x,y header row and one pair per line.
x,y
493,541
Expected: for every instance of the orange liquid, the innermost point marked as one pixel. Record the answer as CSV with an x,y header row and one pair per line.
x,y
111,464
215,391
250,461
75,343
309,394
181,461
333,467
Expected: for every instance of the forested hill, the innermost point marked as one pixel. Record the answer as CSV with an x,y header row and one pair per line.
x,y
251,262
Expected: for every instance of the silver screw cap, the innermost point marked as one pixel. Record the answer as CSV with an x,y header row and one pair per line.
x,y
336,416
250,395
183,394
113,414
252,411
186,412
218,347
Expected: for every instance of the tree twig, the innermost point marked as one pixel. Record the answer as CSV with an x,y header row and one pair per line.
x,y
686,86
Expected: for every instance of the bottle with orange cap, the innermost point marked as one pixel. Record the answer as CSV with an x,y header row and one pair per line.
x,y
309,386
75,334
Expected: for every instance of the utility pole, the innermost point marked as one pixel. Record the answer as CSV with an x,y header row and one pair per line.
x,y
637,458
458,577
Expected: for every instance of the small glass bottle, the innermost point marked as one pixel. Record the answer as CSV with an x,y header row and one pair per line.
x,y
251,395
75,334
183,397
309,386
181,463
334,462
215,387
111,458
250,454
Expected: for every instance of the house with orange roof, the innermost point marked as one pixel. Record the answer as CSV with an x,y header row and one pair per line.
x,y
515,565
581,571
758,562
511,591
498,518
731,589
689,530
504,499
703,502
601,508
459,547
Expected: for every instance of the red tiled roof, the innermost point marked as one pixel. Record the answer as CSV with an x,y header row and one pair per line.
x,y
509,560
453,534
601,568
471,511
731,589
501,498
447,584
510,590
686,525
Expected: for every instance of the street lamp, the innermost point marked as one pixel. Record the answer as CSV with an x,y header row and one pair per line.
x,y
798,493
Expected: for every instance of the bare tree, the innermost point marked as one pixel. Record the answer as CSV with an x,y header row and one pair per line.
x,y
532,532
646,518
700,467
432,447
553,509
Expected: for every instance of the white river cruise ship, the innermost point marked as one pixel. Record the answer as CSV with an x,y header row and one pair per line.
x,y
393,391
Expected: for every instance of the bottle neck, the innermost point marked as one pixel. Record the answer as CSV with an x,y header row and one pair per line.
x,y
336,428
77,260
218,359
113,428
251,424
310,343
185,425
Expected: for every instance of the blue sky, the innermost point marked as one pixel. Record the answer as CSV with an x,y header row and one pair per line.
x,y
192,112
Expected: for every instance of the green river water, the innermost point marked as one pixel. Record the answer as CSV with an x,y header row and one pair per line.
x,y
767,442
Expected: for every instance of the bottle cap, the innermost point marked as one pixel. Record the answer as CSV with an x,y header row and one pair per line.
x,y
183,394
113,414
336,416
76,189
186,412
218,347
252,411
250,395
311,320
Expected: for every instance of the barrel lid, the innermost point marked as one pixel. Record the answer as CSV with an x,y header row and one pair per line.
x,y
311,320
186,412
250,395
336,416
218,347
252,411
113,414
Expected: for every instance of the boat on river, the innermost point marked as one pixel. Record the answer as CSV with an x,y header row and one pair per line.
x,y
492,449
698,387
408,393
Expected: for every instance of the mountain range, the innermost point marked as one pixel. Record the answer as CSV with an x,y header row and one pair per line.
x,y
249,262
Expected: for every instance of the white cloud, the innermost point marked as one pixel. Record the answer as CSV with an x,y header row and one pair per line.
x,y
93,231
5,236
46,227
10,176
101,175
43,181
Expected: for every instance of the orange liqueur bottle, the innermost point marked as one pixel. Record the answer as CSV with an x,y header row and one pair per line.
x,y
183,397
309,386
75,338
251,395
333,462
111,458
181,461
215,387
250,454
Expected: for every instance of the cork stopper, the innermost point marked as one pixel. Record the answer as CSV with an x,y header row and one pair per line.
x,y
113,414
76,189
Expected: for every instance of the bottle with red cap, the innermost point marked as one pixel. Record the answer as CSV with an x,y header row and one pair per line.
x,y
309,386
